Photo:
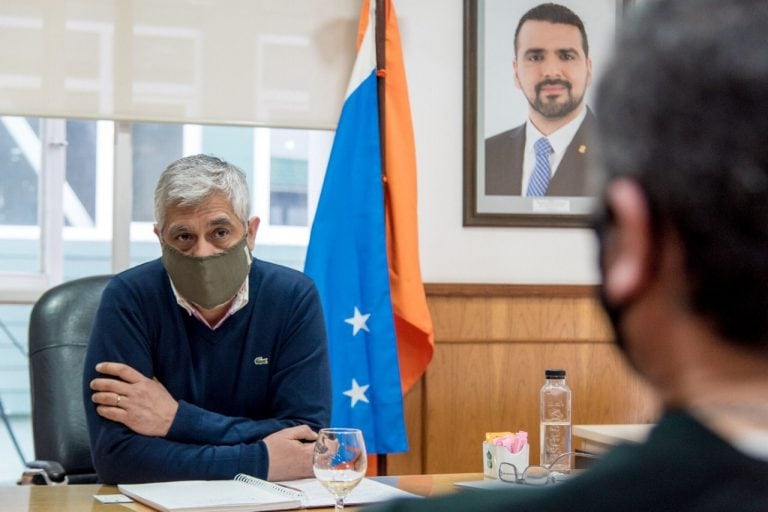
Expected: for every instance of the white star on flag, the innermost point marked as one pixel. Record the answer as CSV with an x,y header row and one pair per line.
x,y
358,322
357,393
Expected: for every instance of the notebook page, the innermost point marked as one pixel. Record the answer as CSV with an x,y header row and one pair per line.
x,y
367,491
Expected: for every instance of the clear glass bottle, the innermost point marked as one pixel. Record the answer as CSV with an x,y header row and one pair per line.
x,y
555,429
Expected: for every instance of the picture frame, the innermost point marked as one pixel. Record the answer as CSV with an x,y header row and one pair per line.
x,y
493,104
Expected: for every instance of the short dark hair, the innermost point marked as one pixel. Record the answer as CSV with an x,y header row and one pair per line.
x,y
554,13
683,111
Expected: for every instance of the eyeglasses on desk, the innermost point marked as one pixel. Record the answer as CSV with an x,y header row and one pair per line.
x,y
537,474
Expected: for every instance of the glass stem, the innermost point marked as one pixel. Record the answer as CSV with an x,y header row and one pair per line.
x,y
339,505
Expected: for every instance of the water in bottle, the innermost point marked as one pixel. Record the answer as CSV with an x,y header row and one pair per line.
x,y
555,421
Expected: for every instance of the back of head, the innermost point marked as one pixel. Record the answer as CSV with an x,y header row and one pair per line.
x,y
683,110
191,180
554,13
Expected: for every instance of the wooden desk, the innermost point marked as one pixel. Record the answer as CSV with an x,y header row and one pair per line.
x,y
600,438
79,498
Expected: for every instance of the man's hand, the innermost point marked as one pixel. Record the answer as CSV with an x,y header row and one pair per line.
x,y
139,403
290,453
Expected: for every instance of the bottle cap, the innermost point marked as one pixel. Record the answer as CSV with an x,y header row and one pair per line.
x,y
555,374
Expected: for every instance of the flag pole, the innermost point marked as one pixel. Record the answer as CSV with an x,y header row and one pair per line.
x,y
381,74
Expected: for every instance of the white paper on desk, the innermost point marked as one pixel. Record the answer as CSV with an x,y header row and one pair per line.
x,y
487,484
492,484
112,498
367,491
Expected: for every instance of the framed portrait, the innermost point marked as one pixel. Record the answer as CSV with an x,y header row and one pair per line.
x,y
511,176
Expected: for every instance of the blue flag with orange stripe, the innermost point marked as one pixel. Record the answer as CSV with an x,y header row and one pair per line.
x,y
347,258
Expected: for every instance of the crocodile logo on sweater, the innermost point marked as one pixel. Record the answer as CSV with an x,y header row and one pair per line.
x,y
260,361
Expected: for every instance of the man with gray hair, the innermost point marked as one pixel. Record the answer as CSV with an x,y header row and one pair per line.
x,y
206,362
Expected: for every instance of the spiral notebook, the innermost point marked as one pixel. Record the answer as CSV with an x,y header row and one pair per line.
x,y
244,492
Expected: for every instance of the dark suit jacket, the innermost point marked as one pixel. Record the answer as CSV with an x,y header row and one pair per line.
x,y
504,163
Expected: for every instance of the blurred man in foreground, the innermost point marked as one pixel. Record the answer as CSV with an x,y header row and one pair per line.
x,y
683,230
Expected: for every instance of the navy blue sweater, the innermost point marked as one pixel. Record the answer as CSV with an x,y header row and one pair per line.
x,y
229,399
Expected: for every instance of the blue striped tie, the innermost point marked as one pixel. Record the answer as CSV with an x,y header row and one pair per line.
x,y
537,186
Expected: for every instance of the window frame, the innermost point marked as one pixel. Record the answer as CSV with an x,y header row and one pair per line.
x,y
113,217
26,287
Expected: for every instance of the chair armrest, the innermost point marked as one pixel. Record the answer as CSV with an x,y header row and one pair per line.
x,y
44,472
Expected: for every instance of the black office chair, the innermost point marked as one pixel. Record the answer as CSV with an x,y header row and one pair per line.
x,y
59,329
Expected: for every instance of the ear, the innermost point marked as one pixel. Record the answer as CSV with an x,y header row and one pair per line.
x,y
253,227
628,243
589,72
157,232
517,78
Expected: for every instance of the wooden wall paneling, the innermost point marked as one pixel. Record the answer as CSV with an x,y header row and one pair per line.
x,y
493,344
474,388
411,462
483,319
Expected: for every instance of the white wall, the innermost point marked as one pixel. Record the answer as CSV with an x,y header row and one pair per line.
x,y
432,33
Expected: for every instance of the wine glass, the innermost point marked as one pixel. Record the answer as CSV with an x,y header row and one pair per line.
x,y
339,461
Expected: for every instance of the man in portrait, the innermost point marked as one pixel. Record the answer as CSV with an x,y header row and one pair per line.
x,y
546,155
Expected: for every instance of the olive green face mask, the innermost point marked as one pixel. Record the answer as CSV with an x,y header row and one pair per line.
x,y
208,281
